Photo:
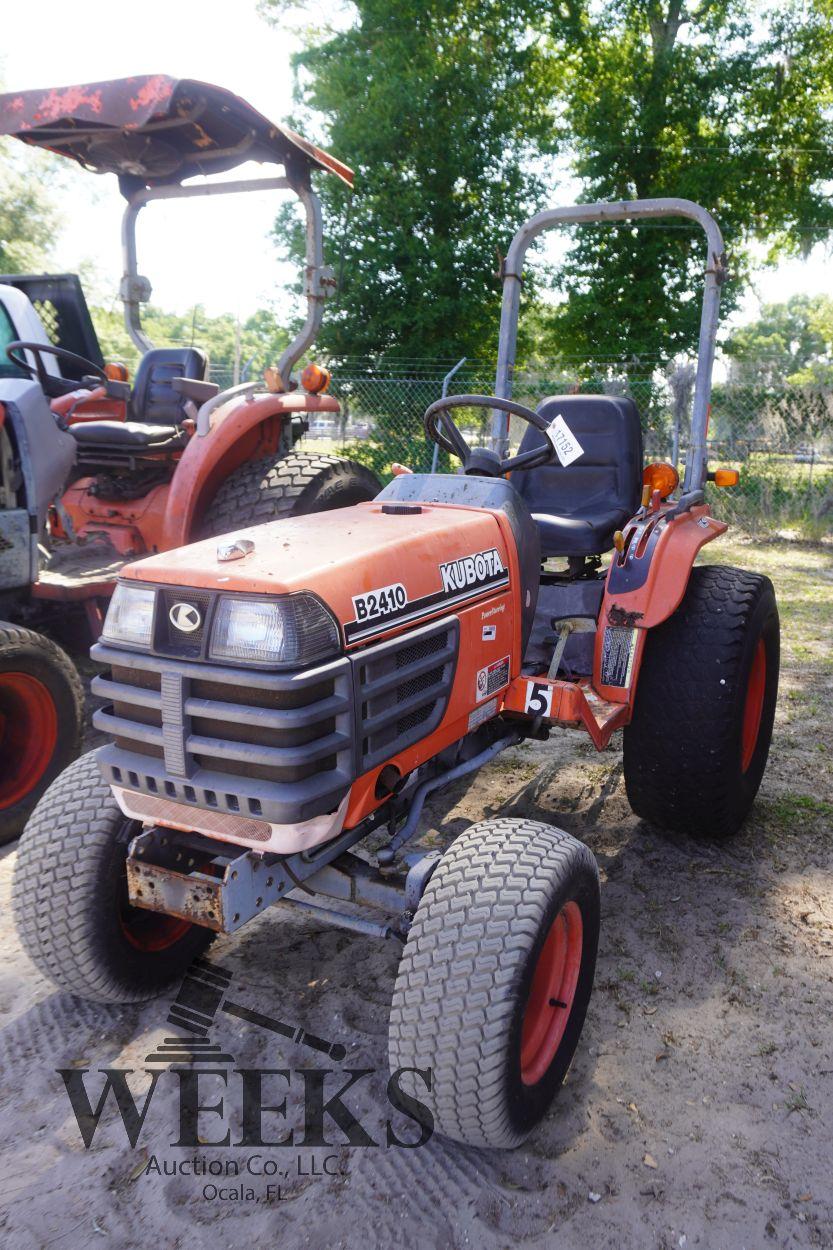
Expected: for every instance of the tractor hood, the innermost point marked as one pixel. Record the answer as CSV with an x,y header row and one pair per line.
x,y
378,566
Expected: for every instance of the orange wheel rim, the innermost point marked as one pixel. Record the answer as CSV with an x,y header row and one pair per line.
x,y
753,706
551,996
147,931
28,735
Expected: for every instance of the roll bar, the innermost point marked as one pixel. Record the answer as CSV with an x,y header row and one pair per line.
x,y
319,280
623,210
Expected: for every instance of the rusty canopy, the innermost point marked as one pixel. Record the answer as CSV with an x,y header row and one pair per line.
x,y
154,130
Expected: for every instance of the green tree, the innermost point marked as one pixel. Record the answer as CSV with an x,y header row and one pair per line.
x,y
700,100
28,216
443,108
787,342
255,343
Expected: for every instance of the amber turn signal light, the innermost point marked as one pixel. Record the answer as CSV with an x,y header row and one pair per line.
x,y
662,477
116,371
725,477
315,379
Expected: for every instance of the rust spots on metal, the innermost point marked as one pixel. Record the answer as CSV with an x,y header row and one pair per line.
x,y
189,897
619,616
77,121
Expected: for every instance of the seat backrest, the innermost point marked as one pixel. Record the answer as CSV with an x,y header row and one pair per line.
x,y
154,400
606,478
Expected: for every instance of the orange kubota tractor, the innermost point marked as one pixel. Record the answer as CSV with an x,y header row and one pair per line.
x,y
275,698
94,471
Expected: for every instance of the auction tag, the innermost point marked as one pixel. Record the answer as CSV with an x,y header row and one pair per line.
x,y
567,447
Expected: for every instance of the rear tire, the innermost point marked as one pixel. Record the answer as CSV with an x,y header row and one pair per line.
x,y
696,749
495,979
296,485
69,897
41,712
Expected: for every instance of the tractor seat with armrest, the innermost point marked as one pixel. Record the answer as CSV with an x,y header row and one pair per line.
x,y
157,408
579,508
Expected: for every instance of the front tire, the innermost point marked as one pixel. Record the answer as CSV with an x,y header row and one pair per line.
x,y
41,710
495,979
696,749
296,485
69,897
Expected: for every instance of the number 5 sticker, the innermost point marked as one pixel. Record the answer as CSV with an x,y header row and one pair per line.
x,y
538,698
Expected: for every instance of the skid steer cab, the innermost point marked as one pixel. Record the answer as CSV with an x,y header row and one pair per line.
x,y
97,469
273,699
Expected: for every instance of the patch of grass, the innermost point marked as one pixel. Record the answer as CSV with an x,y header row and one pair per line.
x,y
766,1048
776,493
797,1101
791,811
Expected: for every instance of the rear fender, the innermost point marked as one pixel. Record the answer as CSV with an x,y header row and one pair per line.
x,y
242,430
645,584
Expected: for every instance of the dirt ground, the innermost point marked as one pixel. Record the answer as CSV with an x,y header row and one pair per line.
x,y
697,1112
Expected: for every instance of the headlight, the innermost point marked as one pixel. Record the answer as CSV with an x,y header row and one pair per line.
x,y
130,615
292,630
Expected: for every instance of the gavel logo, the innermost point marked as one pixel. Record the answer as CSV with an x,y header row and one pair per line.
x,y
200,997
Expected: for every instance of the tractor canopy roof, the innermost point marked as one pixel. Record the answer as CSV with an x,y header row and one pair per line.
x,y
156,131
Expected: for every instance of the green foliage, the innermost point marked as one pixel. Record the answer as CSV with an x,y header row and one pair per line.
x,y
704,102
261,338
447,107
777,493
28,216
788,342
441,107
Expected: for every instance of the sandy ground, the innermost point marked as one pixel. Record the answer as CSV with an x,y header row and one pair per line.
x,y
697,1112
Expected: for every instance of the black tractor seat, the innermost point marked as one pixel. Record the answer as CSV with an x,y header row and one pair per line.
x,y
130,435
156,408
578,508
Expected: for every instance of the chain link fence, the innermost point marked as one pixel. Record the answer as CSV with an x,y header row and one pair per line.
x,y
781,437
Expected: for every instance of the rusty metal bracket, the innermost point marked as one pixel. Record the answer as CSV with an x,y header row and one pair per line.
x,y
219,887
213,883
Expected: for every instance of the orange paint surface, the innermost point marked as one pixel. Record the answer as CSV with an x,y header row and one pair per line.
x,y
246,430
660,594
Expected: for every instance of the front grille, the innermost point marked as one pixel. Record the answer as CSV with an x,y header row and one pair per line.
x,y
278,746
403,687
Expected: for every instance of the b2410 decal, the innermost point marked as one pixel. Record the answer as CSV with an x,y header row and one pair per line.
x,y
374,605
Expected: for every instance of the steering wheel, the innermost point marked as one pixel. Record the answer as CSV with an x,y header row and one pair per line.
x,y
51,386
478,459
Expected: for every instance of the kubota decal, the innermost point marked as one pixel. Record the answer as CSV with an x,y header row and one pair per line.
x,y
463,579
481,569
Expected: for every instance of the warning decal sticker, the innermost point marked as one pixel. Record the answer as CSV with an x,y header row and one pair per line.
x,y
618,650
492,678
